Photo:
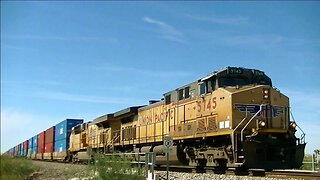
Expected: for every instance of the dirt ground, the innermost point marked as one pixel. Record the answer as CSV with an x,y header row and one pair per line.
x,y
61,171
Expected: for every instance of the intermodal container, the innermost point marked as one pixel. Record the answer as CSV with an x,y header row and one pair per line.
x,y
18,150
25,144
25,147
11,151
21,149
34,144
63,129
49,140
15,149
30,142
61,145
40,142
49,137
48,147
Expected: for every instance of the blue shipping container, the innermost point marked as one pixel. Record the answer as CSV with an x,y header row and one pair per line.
x,y
15,149
63,129
30,143
21,149
61,145
34,144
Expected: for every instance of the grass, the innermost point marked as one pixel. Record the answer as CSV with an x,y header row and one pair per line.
x,y
115,168
308,166
15,168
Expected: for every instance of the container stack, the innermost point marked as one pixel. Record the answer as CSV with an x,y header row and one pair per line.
x,y
21,149
29,152
15,150
40,148
49,143
25,147
62,135
34,147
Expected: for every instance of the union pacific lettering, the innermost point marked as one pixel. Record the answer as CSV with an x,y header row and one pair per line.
x,y
153,117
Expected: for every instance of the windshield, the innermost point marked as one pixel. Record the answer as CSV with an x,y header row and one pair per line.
x,y
233,81
240,80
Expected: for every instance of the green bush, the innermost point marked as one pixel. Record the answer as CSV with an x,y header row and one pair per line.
x,y
115,168
308,166
15,168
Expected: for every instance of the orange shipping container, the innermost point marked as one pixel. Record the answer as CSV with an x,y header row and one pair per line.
x,y
49,135
41,137
48,147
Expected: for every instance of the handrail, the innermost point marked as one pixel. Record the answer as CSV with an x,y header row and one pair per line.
x,y
250,121
303,133
115,138
233,138
111,142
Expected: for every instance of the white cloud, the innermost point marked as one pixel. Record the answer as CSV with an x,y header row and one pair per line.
x,y
167,31
61,38
220,20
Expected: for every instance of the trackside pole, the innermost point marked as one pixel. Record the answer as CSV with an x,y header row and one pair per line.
x,y
168,143
313,155
149,162
167,165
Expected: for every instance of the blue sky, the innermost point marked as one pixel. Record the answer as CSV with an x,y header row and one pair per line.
x,y
84,59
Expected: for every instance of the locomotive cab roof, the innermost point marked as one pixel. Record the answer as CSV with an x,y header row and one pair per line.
x,y
234,72
229,76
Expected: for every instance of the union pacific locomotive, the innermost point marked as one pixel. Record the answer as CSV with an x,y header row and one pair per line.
x,y
230,118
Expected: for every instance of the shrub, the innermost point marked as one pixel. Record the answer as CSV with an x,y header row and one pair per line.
x,y
307,165
115,168
15,168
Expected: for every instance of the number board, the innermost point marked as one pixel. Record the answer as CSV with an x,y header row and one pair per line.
x,y
168,143
235,70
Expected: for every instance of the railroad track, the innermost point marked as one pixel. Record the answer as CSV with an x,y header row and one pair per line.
x,y
281,174
308,175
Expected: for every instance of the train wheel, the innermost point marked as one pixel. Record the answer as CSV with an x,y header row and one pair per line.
x,y
221,166
242,170
268,169
201,163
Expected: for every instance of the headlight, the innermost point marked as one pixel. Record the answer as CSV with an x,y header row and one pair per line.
x,y
293,125
262,123
266,94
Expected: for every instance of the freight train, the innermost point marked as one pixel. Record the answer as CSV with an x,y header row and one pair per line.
x,y
233,117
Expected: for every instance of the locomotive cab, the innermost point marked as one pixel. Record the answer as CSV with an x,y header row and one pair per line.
x,y
241,116
263,135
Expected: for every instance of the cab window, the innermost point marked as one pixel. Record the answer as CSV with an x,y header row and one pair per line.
x,y
233,81
187,92
168,99
202,88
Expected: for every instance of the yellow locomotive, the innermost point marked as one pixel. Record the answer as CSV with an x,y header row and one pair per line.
x,y
230,118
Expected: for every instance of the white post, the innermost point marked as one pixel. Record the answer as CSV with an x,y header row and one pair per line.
x,y
312,162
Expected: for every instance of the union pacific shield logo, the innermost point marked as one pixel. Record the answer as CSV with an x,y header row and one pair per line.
x,y
267,111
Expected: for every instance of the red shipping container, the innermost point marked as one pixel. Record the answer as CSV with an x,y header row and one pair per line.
x,y
41,138
48,147
25,145
49,135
